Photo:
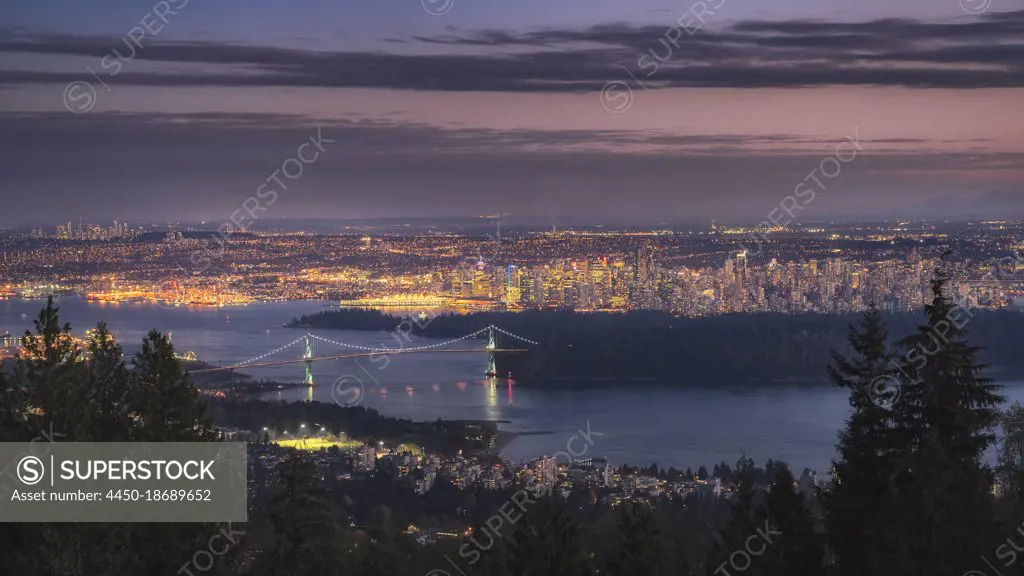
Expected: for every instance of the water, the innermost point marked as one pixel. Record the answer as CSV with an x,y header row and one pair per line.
x,y
629,422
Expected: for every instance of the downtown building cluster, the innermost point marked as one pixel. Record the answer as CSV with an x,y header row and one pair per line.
x,y
638,282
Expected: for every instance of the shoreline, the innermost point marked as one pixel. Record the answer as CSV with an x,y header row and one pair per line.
x,y
503,438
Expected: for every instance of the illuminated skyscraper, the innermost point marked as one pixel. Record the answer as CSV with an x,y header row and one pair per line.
x,y
546,470
643,264
741,269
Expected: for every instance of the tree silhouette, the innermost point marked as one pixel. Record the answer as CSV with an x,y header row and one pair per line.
x,y
798,548
861,493
546,542
68,390
305,531
945,417
638,550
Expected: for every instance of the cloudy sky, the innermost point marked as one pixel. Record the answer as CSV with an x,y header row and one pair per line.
x,y
650,110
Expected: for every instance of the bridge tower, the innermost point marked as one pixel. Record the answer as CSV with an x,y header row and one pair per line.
x,y
492,367
309,362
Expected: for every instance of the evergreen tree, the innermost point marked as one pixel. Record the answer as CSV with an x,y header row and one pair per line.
x,y
945,417
169,406
109,386
305,531
638,550
797,549
744,516
50,375
1010,470
62,389
546,542
861,494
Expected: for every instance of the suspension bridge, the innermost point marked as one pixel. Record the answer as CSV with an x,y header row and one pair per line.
x,y
309,356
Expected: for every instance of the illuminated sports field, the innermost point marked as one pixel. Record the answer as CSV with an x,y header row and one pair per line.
x,y
318,443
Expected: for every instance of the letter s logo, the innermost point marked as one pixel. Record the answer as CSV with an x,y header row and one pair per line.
x,y
30,470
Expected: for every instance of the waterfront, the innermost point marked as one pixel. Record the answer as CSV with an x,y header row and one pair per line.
x,y
639,423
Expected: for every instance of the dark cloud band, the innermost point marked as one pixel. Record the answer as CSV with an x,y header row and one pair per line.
x,y
986,52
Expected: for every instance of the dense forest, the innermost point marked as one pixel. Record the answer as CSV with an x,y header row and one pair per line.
x,y
658,346
347,318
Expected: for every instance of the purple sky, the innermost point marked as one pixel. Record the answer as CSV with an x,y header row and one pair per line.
x,y
632,110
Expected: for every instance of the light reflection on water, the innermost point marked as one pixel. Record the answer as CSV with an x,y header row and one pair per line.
x,y
640,423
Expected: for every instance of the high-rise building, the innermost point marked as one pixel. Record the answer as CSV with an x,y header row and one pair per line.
x,y
545,470
366,459
643,264
741,271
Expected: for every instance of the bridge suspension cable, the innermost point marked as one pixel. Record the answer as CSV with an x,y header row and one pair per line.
x,y
507,333
410,349
271,353
381,349
384,350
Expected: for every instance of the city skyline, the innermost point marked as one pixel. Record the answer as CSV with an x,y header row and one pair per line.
x,y
178,111
547,287
830,269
